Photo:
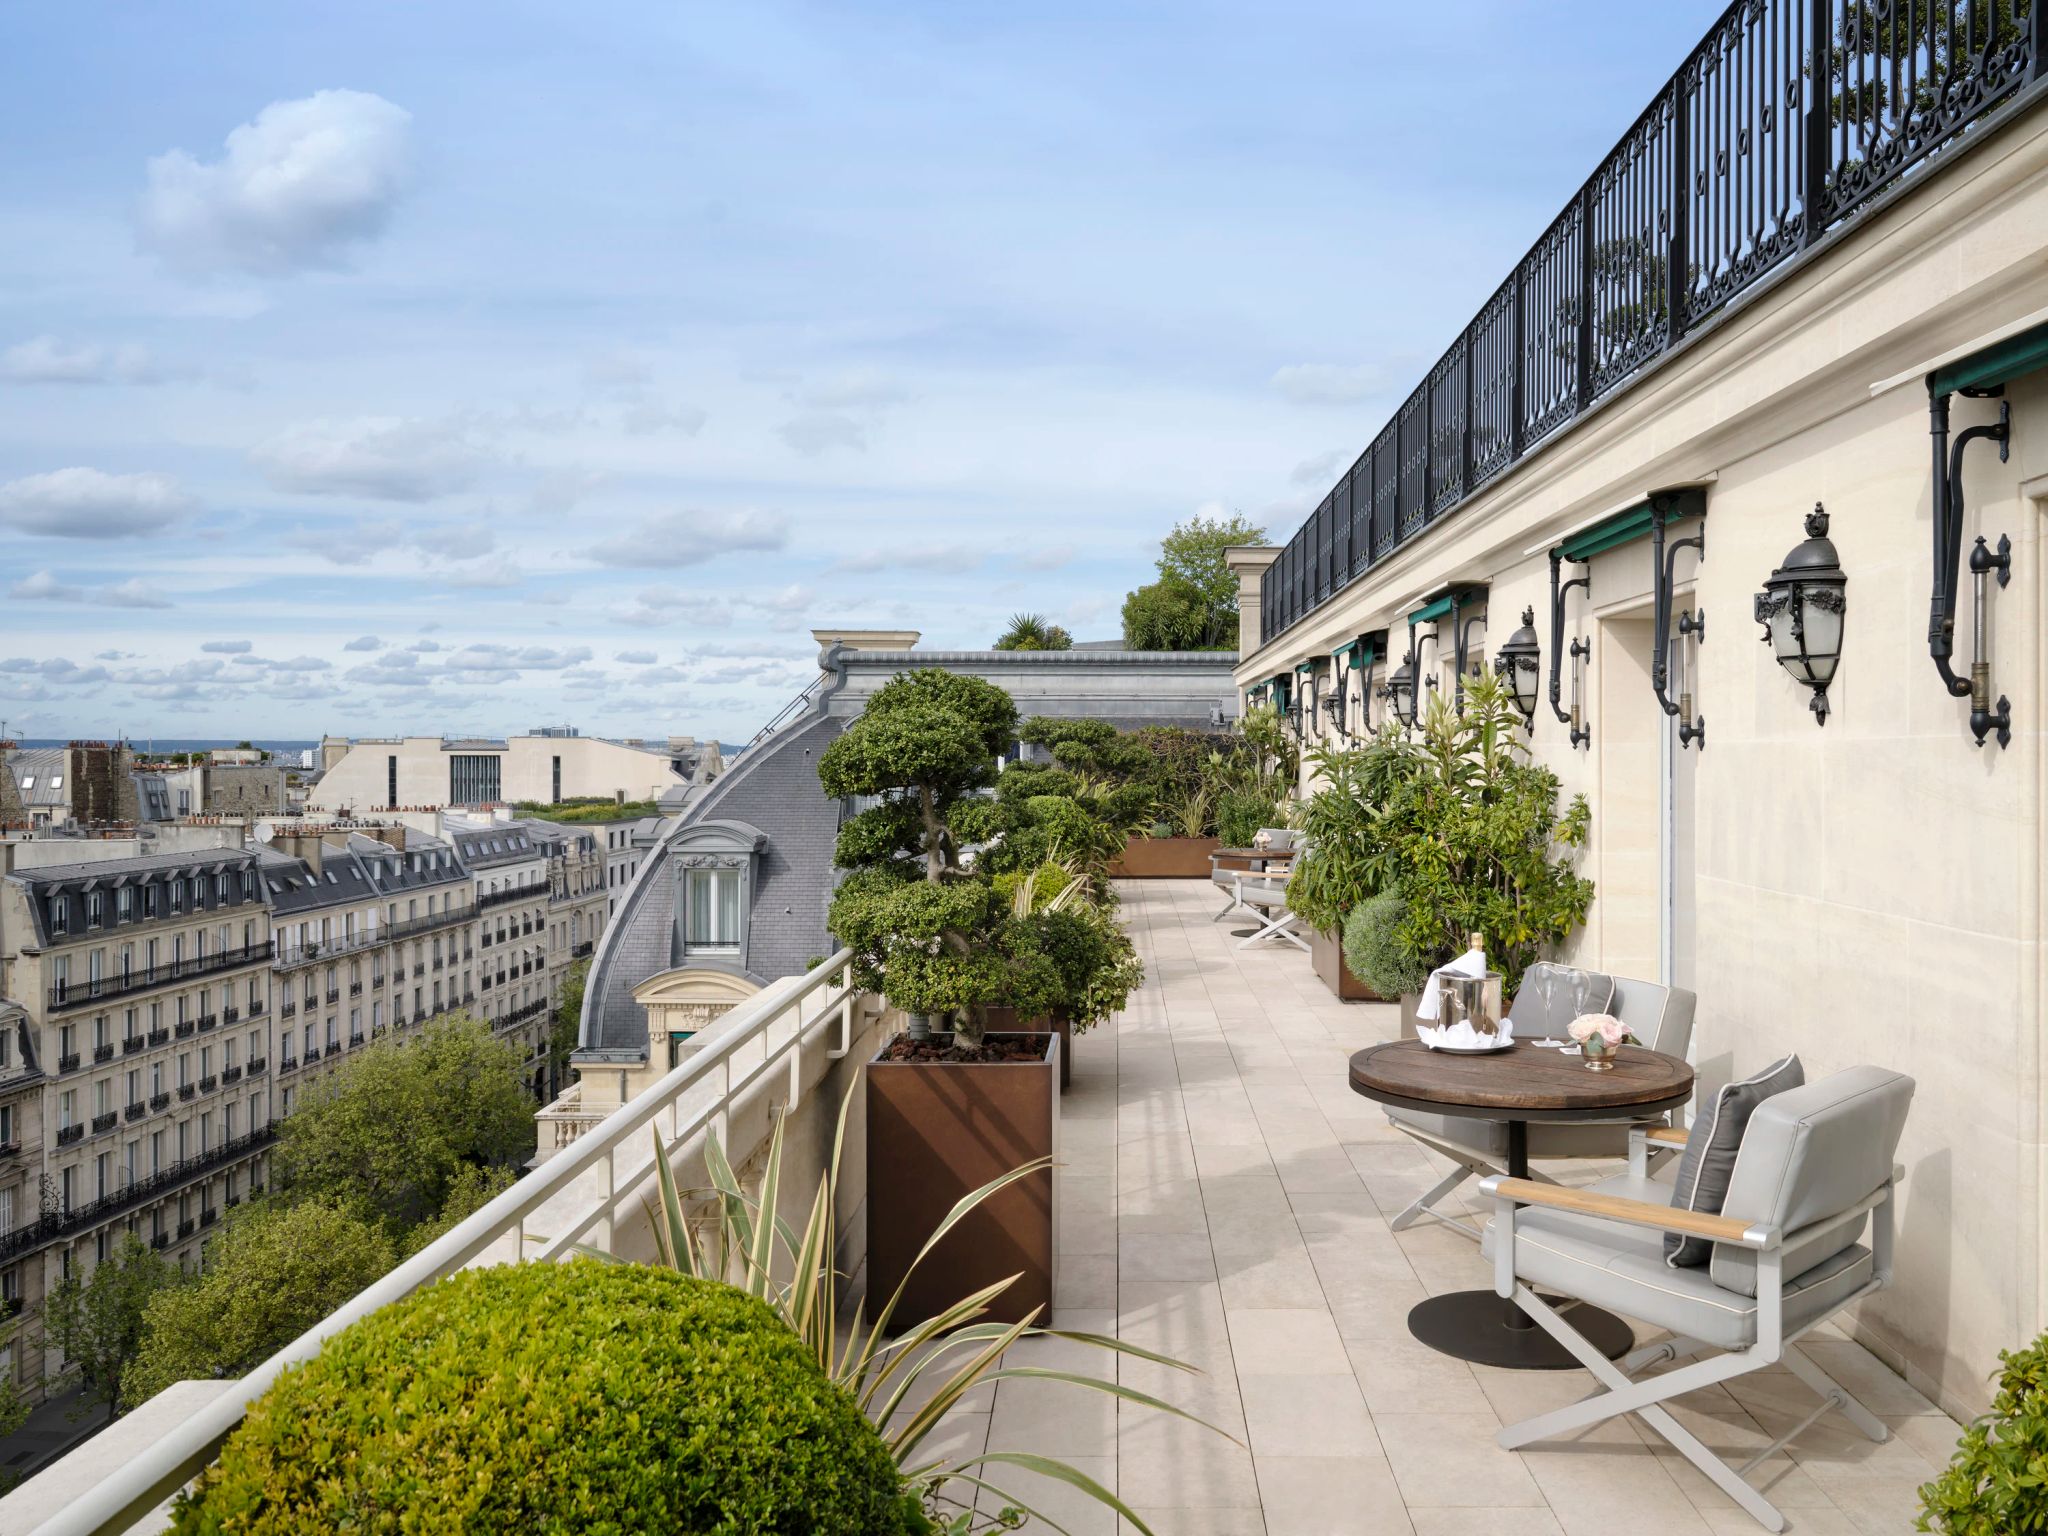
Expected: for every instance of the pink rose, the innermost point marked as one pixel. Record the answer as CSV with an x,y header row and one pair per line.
x,y
1605,1025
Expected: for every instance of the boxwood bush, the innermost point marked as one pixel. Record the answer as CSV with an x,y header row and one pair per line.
x,y
1997,1482
579,1397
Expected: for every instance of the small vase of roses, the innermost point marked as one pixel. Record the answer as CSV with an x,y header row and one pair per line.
x,y
1599,1036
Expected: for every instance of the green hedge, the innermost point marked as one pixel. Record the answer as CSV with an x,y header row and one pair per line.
x,y
584,1397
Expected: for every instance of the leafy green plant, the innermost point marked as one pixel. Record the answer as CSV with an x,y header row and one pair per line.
x,y
1097,965
743,1238
1375,949
96,1321
1193,604
557,1398
1471,834
1241,813
1344,857
1034,632
1997,1482
1189,814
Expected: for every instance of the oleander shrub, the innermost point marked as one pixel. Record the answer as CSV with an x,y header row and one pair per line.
x,y
1375,949
557,1398
1997,1482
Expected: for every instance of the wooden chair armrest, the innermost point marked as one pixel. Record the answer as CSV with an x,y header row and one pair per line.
x,y
1665,1135
1637,1213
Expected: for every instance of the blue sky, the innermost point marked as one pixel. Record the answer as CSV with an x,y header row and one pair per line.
x,y
461,367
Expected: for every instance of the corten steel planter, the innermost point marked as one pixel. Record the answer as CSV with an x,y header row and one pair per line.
x,y
1005,1019
938,1131
1326,954
1165,858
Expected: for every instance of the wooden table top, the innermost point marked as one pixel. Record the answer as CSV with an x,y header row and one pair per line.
x,y
1523,1083
1253,853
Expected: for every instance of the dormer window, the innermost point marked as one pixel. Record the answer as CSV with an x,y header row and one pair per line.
x,y
60,918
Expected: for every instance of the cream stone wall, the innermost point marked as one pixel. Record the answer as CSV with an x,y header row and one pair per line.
x,y
1870,890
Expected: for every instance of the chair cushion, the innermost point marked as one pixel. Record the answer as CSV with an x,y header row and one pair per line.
x,y
1281,839
1263,895
1621,1267
1807,1154
1709,1160
1551,996
1660,1017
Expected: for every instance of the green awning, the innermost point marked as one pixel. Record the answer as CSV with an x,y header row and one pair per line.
x,y
1347,653
1626,527
1306,669
1999,363
1428,611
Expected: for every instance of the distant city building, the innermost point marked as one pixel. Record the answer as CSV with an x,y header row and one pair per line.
x,y
87,783
375,773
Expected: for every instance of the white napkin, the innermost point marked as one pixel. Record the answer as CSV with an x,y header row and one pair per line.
x,y
1463,1037
1471,963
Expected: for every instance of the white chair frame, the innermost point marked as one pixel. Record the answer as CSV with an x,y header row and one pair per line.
x,y
1278,922
1626,1390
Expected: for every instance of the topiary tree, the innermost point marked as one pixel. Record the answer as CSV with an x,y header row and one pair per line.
x,y
932,937
557,1398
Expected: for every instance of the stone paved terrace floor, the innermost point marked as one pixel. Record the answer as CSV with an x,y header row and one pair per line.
x,y
1225,1200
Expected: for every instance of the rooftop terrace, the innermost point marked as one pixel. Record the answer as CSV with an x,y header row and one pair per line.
x,y
1224,1200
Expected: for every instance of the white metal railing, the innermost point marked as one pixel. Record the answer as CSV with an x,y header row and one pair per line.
x,y
780,1019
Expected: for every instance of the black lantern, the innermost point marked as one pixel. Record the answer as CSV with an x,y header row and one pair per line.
x,y
1400,691
1801,609
1519,664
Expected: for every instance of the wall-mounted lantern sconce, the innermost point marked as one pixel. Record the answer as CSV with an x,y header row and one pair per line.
x,y
1519,665
1400,689
1667,507
1580,652
1338,705
1363,656
1985,717
1801,609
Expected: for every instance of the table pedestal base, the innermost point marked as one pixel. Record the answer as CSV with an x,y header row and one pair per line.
x,y
1481,1327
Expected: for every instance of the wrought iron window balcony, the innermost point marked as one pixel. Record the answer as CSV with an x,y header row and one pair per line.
x,y
185,1029
103,1052
334,994
208,1083
105,1122
230,1074
514,893
334,1049
160,1241
187,1227
256,1008
208,1216
159,1101
159,1037
207,1021
418,971
68,1062
257,1064
69,1133
587,946
288,1064
187,1090
232,1201
78,994
354,1040
10,1307
287,1010
230,1014
10,1148
132,1044
355,989
136,1110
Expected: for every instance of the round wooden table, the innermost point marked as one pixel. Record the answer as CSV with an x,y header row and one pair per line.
x,y
1524,1083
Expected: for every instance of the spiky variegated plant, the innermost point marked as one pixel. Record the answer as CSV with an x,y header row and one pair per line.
x,y
744,1242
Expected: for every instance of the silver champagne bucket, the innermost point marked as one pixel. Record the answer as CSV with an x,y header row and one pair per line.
x,y
1473,1000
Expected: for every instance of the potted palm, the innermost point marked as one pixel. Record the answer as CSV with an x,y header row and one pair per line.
x,y
952,1102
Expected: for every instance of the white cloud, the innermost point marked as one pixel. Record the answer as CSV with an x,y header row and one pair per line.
x,y
856,391
944,558
1318,470
46,360
457,541
364,643
492,571
296,188
91,504
228,647
672,539
42,587
425,647
636,658
1328,383
1051,558
817,432
657,607
389,458
645,418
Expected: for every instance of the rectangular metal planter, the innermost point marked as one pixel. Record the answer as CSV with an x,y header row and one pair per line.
x,y
1326,954
1005,1021
1165,858
938,1131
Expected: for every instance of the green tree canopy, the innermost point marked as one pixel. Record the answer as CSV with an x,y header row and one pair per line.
x,y
97,1322
386,1137
1034,632
1192,606
271,1273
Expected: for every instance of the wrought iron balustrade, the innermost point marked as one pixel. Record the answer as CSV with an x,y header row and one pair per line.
x,y
76,994
1788,122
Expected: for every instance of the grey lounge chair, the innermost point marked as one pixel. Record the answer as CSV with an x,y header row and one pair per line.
x,y
1814,1167
1266,895
1229,871
1660,1017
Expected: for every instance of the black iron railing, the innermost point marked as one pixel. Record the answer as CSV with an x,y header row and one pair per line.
x,y
512,893
76,994
1785,124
